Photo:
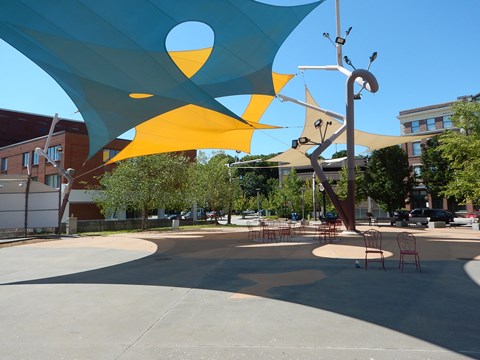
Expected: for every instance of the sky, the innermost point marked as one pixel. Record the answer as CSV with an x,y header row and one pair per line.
x,y
428,52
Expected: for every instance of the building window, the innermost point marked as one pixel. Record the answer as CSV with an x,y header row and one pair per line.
x,y
25,159
34,158
431,124
417,170
109,154
55,152
4,165
52,180
416,148
415,126
447,122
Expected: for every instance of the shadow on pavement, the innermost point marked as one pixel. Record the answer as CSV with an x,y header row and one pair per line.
x,y
439,305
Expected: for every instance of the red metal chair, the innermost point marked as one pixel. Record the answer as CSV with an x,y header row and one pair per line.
x,y
321,232
408,247
373,245
253,231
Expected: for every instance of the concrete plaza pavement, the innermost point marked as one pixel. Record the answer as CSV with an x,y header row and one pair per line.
x,y
215,294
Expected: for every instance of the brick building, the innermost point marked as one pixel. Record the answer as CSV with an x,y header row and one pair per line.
x,y
428,120
22,132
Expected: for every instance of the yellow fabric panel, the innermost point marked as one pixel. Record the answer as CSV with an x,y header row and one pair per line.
x,y
259,103
189,127
280,80
193,127
190,61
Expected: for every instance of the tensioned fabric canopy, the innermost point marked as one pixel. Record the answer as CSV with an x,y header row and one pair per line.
x,y
111,57
202,127
298,156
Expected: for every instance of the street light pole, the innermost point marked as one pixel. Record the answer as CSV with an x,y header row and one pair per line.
x,y
324,200
258,202
303,202
314,197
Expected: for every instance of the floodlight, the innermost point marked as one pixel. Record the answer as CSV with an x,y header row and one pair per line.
x,y
372,59
348,62
341,41
318,123
295,144
327,35
303,140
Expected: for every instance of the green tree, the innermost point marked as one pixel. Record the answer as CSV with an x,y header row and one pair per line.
x,y
216,184
144,183
460,150
436,172
360,189
339,154
289,195
388,178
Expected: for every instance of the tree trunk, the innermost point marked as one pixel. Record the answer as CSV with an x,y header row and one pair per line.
x,y
144,218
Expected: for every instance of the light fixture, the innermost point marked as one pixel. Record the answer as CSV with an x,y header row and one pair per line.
x,y
372,59
357,96
339,40
318,123
303,140
295,144
327,35
348,62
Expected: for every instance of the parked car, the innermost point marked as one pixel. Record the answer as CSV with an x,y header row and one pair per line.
x,y
214,214
330,217
400,215
189,215
424,215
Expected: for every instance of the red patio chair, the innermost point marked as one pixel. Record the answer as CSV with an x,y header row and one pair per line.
x,y
408,247
373,245
253,231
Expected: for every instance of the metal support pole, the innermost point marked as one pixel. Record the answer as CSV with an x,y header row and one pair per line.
x,y
314,197
303,203
258,202
350,120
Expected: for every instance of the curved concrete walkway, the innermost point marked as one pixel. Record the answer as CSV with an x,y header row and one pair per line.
x,y
213,294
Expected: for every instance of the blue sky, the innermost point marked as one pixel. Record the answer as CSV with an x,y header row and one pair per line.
x,y
428,51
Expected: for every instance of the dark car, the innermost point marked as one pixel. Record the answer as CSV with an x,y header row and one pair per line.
x,y
424,215
400,215
330,217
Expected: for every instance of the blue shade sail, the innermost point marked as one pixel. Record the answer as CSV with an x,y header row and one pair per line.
x,y
102,51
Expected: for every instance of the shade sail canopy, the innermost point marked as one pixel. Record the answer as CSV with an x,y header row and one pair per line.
x,y
111,58
193,127
299,157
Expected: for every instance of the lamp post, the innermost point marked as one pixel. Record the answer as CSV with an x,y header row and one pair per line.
x,y
324,201
303,202
258,201
229,166
314,197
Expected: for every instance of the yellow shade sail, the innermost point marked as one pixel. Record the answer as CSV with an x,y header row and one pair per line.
x,y
193,127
